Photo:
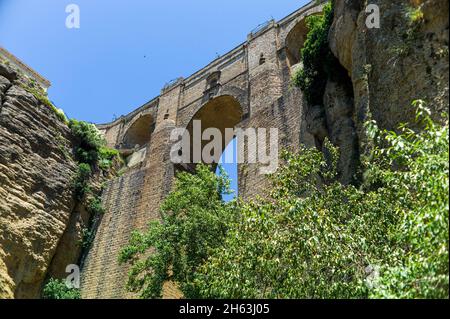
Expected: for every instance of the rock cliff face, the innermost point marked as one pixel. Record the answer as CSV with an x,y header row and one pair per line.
x,y
36,203
389,67
403,60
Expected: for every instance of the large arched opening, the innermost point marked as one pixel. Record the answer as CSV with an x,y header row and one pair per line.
x,y
222,114
139,133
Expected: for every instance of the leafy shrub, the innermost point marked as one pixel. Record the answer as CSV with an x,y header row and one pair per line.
x,y
80,183
316,56
90,141
87,133
415,15
57,289
106,157
194,223
95,206
418,265
87,238
91,148
91,155
86,156
313,237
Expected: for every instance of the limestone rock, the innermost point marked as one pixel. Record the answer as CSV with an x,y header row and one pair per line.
x,y
35,189
6,283
401,61
342,34
7,72
316,122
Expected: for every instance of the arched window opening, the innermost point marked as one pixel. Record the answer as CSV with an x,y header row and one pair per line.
x,y
295,41
139,133
228,162
219,114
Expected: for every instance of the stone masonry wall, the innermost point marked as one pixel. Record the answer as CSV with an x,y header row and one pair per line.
x,y
102,274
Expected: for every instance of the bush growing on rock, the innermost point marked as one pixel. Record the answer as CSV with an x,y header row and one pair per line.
x,y
316,57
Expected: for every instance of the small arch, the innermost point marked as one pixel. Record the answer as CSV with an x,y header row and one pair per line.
x,y
139,133
213,80
295,40
262,59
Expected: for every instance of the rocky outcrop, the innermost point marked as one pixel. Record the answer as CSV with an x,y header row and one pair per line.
x,y
339,107
40,222
387,68
403,60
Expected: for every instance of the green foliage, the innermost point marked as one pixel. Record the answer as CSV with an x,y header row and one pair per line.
x,y
194,223
90,141
91,148
87,133
312,237
95,206
415,15
316,56
106,157
418,266
91,154
57,289
87,239
80,183
318,239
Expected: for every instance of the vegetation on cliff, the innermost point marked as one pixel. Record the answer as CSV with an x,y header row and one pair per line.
x,y
92,156
313,237
57,289
316,56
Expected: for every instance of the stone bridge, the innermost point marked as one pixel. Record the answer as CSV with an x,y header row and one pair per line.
x,y
247,87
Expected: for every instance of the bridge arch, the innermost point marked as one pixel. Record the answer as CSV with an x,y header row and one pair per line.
x,y
139,132
221,112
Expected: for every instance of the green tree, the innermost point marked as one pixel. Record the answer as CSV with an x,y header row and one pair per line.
x,y
194,223
57,289
316,56
311,237
89,140
418,264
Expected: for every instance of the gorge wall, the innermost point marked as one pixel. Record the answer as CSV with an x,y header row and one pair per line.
x,y
404,60
382,71
42,225
36,202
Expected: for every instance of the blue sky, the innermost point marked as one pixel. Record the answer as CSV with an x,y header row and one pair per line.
x,y
125,51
